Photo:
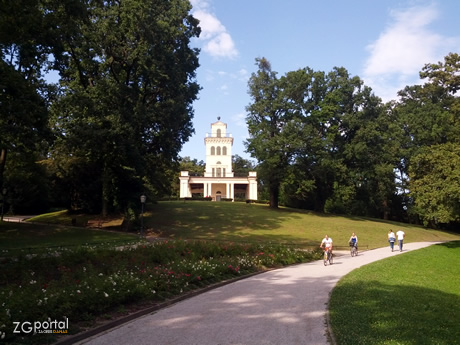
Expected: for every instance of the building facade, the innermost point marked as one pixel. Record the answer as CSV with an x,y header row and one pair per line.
x,y
219,181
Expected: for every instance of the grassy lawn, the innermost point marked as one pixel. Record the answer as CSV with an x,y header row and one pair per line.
x,y
22,236
389,302
407,299
255,222
65,218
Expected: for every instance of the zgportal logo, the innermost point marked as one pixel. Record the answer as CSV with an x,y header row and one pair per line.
x,y
49,326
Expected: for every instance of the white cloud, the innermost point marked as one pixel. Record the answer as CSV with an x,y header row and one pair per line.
x,y
239,119
221,46
209,24
218,42
243,72
402,50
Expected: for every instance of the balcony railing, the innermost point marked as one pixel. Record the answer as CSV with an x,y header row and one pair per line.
x,y
214,135
194,174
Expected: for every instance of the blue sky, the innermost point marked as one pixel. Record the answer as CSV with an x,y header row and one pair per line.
x,y
386,43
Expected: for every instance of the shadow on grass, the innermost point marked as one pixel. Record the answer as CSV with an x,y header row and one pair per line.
x,y
451,245
19,236
237,221
208,219
376,313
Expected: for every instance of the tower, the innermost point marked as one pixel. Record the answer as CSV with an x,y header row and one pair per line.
x,y
218,182
218,151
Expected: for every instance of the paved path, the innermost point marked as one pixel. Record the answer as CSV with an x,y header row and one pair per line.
x,y
16,219
283,307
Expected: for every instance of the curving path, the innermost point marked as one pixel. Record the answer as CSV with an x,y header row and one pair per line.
x,y
283,307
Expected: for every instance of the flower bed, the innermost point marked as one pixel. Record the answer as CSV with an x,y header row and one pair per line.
x,y
81,284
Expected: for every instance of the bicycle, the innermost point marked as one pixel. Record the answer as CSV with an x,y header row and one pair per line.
x,y
353,249
327,257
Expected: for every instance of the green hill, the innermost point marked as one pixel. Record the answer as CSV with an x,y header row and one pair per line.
x,y
254,222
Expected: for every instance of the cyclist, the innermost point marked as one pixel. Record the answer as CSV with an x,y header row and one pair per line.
x,y
353,241
327,241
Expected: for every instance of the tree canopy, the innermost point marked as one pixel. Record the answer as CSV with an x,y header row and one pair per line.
x,y
123,106
325,141
113,124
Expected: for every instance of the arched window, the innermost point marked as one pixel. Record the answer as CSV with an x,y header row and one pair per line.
x,y
224,150
218,172
213,150
219,133
218,150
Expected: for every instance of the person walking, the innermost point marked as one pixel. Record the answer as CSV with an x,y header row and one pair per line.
x,y
391,239
400,235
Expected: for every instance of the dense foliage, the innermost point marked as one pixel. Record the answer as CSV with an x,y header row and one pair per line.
x,y
112,125
325,142
122,108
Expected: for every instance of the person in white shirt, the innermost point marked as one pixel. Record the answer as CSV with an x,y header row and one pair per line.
x,y
391,239
327,242
400,235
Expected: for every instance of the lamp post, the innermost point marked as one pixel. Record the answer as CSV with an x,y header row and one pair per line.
x,y
143,198
4,190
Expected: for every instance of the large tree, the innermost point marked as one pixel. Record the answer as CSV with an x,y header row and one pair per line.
x,y
271,126
128,83
435,184
430,117
341,160
29,46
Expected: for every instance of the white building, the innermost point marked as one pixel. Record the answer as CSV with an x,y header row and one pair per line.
x,y
218,181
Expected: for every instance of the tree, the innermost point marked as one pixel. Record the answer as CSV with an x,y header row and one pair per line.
x,y
271,127
241,166
344,163
24,54
30,32
435,184
430,116
193,166
125,107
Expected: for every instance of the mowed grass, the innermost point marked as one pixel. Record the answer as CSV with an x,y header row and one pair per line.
x,y
407,299
255,222
15,237
65,218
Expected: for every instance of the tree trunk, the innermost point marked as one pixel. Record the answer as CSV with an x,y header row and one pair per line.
x,y
274,194
386,212
3,153
105,191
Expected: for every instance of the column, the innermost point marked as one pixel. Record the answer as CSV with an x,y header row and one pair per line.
x,y
184,185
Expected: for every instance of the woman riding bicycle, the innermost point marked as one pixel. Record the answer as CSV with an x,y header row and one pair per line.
x,y
353,241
